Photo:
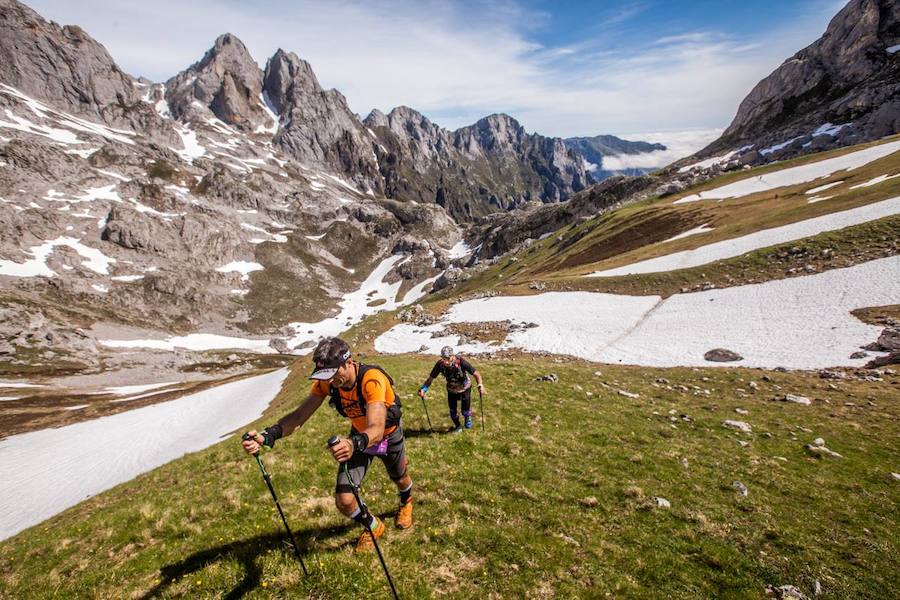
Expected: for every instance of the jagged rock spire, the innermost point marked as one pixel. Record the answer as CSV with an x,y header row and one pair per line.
x,y
226,82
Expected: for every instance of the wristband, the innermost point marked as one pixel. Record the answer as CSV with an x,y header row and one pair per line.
x,y
270,434
360,441
424,389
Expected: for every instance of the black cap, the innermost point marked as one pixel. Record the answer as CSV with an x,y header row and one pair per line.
x,y
325,369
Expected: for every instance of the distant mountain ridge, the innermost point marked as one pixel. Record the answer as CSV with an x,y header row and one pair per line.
x,y
594,149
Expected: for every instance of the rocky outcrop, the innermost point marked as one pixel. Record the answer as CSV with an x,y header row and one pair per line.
x,y
850,77
318,128
72,72
226,82
500,233
60,65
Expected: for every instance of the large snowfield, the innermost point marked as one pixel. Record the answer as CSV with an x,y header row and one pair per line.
x,y
798,323
45,472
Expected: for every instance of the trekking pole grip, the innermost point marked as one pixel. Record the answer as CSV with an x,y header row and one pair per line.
x,y
246,437
333,440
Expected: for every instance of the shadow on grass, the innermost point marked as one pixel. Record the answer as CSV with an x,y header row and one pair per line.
x,y
246,552
412,433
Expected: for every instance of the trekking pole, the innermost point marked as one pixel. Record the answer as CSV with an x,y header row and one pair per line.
x,y
425,406
268,480
481,407
362,506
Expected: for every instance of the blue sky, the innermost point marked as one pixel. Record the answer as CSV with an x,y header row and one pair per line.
x,y
563,68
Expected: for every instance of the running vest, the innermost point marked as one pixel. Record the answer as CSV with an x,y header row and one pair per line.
x,y
454,373
393,411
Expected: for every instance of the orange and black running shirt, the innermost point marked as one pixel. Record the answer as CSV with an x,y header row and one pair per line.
x,y
375,388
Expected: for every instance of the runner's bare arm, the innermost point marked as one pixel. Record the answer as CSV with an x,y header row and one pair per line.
x,y
296,418
376,414
477,376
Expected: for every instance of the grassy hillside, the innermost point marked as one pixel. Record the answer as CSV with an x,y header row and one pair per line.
x,y
554,499
643,230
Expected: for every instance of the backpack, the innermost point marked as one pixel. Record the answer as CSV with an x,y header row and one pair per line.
x,y
392,418
457,375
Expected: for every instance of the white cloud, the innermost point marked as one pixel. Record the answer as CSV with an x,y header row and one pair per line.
x,y
678,145
455,63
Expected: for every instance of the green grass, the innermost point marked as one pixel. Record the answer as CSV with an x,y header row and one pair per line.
x,y
509,512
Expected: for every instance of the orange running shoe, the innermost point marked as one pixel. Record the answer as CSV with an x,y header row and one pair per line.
x,y
403,519
365,543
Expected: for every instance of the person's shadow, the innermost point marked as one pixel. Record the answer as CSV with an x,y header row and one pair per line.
x,y
412,433
246,553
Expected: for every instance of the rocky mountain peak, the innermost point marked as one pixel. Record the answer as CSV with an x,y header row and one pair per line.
x,y
498,133
60,65
226,82
288,75
844,88
376,118
408,123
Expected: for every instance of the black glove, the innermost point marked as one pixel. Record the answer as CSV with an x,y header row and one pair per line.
x,y
360,441
270,434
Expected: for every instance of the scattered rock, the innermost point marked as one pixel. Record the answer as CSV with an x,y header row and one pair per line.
x,y
537,285
662,502
753,385
891,359
722,355
859,354
279,345
742,411
821,452
896,476
739,425
819,442
567,539
551,377
589,502
740,487
889,340
796,399
827,374
628,394
785,592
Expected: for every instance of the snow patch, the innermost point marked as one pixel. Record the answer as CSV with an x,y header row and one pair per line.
x,y
874,181
799,323
829,129
56,468
690,232
241,266
760,239
777,147
822,188
37,266
195,341
460,250
795,175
